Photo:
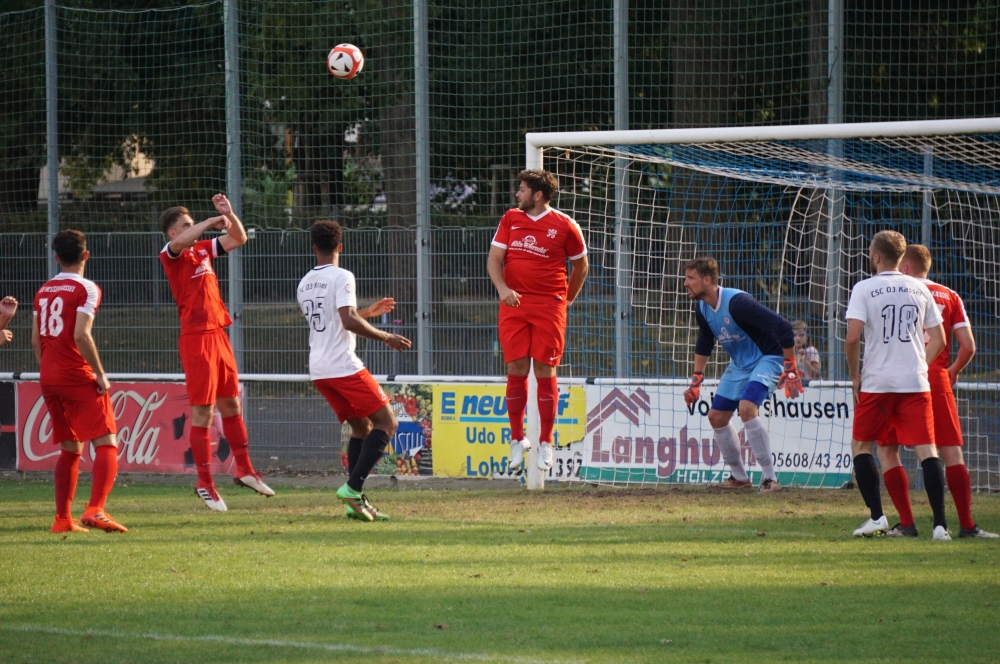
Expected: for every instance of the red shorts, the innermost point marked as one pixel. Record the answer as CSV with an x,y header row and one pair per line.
x,y
352,397
78,412
535,328
947,428
909,413
209,367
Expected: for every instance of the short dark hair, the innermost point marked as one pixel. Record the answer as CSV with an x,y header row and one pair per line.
x,y
69,245
706,266
540,180
326,236
890,245
171,215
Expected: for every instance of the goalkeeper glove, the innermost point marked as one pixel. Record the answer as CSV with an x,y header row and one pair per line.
x,y
790,380
692,393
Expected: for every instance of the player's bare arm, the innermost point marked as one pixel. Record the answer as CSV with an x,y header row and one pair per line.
x,y
237,235
353,322
8,307
36,340
383,306
88,349
966,349
494,266
186,232
576,278
935,342
852,347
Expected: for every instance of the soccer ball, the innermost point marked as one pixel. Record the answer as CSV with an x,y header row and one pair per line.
x,y
345,61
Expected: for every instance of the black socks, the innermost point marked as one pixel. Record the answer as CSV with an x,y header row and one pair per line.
x,y
868,478
353,452
371,451
934,484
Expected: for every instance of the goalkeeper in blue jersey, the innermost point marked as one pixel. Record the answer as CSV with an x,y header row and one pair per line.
x,y
761,350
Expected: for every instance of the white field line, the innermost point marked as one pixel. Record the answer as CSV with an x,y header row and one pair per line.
x,y
274,643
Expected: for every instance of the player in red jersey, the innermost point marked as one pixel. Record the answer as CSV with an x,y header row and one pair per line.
x,y
73,384
209,365
527,264
942,374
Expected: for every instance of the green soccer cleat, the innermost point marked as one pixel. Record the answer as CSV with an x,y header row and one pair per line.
x,y
355,503
374,511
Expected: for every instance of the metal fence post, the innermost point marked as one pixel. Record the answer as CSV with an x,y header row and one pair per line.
x,y
52,129
928,204
423,185
623,249
234,177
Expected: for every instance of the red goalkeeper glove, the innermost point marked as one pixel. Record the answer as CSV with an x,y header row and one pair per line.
x,y
790,380
692,393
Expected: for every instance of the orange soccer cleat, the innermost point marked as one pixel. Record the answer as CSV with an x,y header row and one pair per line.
x,y
98,518
62,525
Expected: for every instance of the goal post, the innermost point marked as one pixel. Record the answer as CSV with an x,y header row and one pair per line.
x,y
788,211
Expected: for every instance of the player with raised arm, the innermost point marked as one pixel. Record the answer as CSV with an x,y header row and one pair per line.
x,y
328,299
210,373
74,386
527,264
895,313
761,351
941,374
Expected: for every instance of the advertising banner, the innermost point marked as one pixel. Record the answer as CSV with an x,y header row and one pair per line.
x,y
648,434
153,425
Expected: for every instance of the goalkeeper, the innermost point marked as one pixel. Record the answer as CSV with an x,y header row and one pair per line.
x,y
757,339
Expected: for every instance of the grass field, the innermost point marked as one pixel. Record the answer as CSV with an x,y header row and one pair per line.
x,y
575,575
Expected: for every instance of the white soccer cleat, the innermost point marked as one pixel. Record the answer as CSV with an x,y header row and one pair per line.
x,y
873,527
211,497
544,456
941,534
518,448
977,532
254,482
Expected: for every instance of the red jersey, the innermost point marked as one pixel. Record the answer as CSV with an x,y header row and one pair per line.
x,y
56,306
537,249
952,309
195,286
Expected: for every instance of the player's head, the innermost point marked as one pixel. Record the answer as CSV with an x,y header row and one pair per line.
x,y
800,332
174,220
886,251
537,188
916,261
70,248
701,276
326,236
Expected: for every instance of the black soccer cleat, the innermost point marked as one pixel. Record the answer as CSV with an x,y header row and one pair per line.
x,y
977,532
900,530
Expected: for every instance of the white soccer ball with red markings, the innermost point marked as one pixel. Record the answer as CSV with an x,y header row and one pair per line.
x,y
345,61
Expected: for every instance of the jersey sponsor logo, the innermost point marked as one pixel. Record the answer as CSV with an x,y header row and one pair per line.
x,y
530,245
727,337
203,268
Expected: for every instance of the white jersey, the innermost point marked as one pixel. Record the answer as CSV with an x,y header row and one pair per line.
x,y
323,291
896,310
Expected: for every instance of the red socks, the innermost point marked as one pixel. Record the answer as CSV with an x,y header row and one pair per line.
x,y
67,472
236,434
201,450
517,401
548,399
898,486
104,473
961,493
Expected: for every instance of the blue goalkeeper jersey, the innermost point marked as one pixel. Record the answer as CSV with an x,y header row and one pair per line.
x,y
745,328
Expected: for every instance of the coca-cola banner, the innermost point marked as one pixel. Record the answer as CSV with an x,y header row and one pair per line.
x,y
154,420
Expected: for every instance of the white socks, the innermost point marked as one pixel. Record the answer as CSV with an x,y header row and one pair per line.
x,y
728,441
760,443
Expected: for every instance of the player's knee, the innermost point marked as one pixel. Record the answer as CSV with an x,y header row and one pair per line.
x,y
361,428
951,456
718,419
228,406
748,410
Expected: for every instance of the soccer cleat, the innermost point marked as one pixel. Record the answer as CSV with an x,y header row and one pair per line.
x,y
253,481
211,496
98,518
873,527
73,526
353,499
378,516
769,486
517,450
941,534
733,483
899,530
544,456
962,532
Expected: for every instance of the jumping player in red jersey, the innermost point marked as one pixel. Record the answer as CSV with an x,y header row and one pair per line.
x,y
527,264
942,374
209,365
73,384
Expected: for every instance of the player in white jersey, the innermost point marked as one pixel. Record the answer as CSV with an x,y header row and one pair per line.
x,y
895,313
328,299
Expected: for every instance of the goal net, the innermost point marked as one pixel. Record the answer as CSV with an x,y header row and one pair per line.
x,y
789,213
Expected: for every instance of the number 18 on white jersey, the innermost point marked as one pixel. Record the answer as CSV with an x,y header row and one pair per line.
x,y
321,293
896,309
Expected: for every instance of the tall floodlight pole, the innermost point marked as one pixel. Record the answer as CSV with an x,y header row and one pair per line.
x,y
234,176
421,99
51,130
622,243
835,198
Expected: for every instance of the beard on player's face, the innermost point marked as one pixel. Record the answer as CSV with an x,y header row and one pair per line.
x,y
526,201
